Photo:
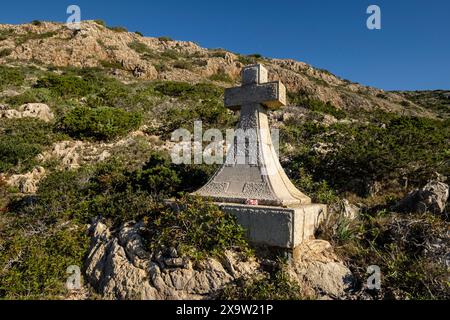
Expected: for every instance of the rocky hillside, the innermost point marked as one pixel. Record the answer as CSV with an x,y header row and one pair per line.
x,y
85,124
132,55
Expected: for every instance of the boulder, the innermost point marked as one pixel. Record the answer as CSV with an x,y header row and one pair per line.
x,y
30,110
37,110
318,267
119,267
431,198
28,182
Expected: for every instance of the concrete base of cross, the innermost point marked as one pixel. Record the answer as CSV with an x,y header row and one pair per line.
x,y
279,229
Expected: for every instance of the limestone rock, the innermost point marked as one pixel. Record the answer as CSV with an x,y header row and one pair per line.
x,y
119,267
37,110
30,110
318,267
28,182
431,198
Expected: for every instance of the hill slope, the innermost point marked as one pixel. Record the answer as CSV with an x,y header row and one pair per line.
x,y
130,54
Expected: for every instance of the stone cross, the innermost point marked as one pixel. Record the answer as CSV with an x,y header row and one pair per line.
x,y
252,171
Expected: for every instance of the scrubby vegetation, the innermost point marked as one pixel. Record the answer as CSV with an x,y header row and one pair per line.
x,y
372,158
274,285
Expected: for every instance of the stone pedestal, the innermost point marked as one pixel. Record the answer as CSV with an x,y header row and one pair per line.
x,y
282,229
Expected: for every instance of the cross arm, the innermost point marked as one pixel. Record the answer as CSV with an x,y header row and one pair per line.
x,y
270,94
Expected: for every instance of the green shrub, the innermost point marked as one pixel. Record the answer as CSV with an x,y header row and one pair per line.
x,y
165,39
139,33
222,77
10,77
5,52
100,22
103,123
196,227
21,140
36,23
42,260
411,148
271,286
65,85
118,29
170,54
6,33
185,65
23,38
302,99
140,47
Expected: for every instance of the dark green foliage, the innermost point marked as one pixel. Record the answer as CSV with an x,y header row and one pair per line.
x,y
221,76
36,23
65,85
139,33
34,263
23,38
411,148
118,29
21,140
10,77
165,39
189,91
272,286
196,227
103,123
5,52
302,99
100,22
183,64
160,177
6,33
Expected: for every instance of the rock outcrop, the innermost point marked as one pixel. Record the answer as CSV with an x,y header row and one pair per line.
x,y
26,183
118,266
431,198
30,110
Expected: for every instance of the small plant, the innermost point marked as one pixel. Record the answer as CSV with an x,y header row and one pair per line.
x,y
185,65
270,286
36,23
100,22
139,33
118,29
5,52
221,76
165,39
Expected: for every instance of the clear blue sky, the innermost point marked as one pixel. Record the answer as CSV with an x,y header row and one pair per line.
x,y
411,51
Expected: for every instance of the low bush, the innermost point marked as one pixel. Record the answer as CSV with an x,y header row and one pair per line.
x,y
276,285
195,227
21,140
10,77
102,123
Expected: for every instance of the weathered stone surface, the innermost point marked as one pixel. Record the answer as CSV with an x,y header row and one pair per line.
x,y
37,110
276,226
30,110
27,183
431,198
318,266
118,267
